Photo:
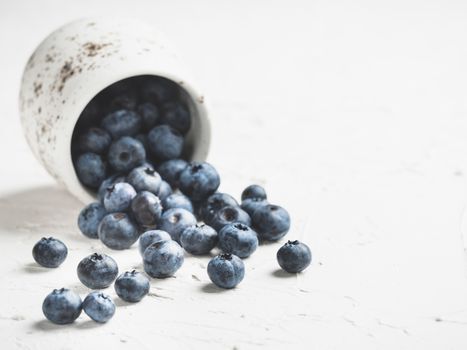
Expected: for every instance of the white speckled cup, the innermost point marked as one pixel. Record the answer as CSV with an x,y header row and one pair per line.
x,y
75,63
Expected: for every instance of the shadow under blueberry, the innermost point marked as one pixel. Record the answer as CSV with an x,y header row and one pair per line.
x,y
212,288
33,267
282,274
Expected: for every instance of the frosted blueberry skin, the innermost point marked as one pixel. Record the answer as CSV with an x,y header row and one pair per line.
x,y
228,215
150,237
175,221
125,154
132,286
271,222
109,182
177,116
226,270
162,259
294,256
214,203
254,191
62,306
147,209
122,123
144,178
165,142
198,239
90,169
97,271
118,197
238,239
99,307
170,170
251,204
117,231
89,219
95,140
199,180
49,252
164,191
149,113
177,200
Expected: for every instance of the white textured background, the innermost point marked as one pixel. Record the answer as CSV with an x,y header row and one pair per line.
x,y
351,113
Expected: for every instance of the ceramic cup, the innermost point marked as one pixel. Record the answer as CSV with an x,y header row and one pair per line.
x,y
75,63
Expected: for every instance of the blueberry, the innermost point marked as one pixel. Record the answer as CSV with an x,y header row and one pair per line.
x,y
177,200
164,191
158,90
150,237
89,219
147,209
214,203
162,259
145,178
271,222
149,113
99,307
97,271
95,140
254,191
49,252
177,116
117,231
165,142
238,239
170,170
226,270
91,169
175,220
132,286
294,256
62,306
109,182
199,180
198,239
126,153
251,204
124,101
118,197
122,123
228,215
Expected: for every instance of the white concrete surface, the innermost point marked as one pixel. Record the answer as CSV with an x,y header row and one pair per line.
x,y
353,116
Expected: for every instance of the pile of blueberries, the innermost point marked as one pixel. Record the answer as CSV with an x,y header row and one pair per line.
x,y
170,208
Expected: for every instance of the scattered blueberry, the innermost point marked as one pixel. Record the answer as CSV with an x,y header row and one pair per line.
x,y
175,221
251,204
118,197
177,200
109,182
149,113
90,169
117,231
132,286
147,209
229,214
62,306
99,307
49,252
95,140
254,191
150,237
177,116
214,203
97,271
122,123
199,180
145,178
165,142
198,239
162,259
170,170
164,191
294,256
126,153
226,270
271,222
238,239
89,219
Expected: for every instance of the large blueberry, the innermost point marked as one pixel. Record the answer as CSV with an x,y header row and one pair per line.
x,y
226,270
254,191
49,252
199,180
271,222
214,203
62,306
91,169
145,178
170,170
165,142
175,220
294,256
164,191
126,153
117,231
97,271
150,237
99,307
89,219
198,239
238,239
177,116
132,286
149,113
177,200
251,204
228,215
147,209
95,140
112,180
162,259
118,197
122,123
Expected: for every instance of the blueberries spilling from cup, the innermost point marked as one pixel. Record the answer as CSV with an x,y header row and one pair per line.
x,y
129,148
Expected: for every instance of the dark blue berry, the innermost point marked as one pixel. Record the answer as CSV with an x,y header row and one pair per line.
x,y
254,191
144,178
271,222
97,271
162,259
117,231
177,200
132,286
228,215
226,270
170,170
49,252
122,123
174,221
165,142
95,140
62,306
124,101
177,116
126,153
118,197
99,307
91,169
164,191
251,204
294,256
89,219
150,237
238,239
147,209
198,239
199,180
109,182
159,90
149,113
214,203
